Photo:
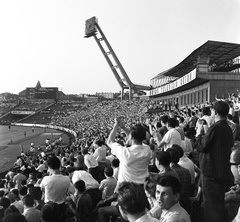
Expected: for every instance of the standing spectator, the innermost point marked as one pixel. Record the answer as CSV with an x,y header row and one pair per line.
x,y
56,186
134,160
171,137
31,214
91,163
215,148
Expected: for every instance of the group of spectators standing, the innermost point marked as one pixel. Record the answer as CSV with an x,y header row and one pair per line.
x,y
129,165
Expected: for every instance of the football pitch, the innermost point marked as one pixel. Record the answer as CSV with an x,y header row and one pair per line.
x,y
11,141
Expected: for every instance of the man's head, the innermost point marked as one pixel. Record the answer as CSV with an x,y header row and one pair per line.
x,y
171,123
174,153
80,186
162,158
54,163
164,119
167,191
28,200
221,108
138,133
132,199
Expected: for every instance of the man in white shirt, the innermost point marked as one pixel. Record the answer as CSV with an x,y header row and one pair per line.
x,y
134,160
56,186
171,137
167,194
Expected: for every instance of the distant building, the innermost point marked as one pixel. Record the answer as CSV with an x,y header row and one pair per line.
x,y
106,95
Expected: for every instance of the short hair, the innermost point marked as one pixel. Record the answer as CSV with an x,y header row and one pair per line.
x,y
99,142
80,186
28,200
172,122
175,156
54,163
181,119
51,212
23,191
163,157
15,192
179,148
115,162
221,108
170,181
206,110
138,133
36,192
85,151
164,119
108,171
5,202
132,198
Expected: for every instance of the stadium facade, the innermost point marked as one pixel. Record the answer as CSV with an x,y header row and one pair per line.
x,y
212,70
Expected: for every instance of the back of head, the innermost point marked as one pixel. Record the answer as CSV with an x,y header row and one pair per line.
x,y
5,202
132,198
54,163
115,162
170,181
138,133
80,186
28,200
179,148
164,119
221,108
206,110
172,122
108,171
164,158
51,212
174,155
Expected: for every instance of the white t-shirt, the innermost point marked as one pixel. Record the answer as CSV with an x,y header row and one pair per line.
x,y
56,188
90,161
134,162
171,137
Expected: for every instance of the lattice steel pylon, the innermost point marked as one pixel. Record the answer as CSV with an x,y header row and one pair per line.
x,y
92,28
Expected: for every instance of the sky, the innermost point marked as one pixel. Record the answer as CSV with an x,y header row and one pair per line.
x,y
43,40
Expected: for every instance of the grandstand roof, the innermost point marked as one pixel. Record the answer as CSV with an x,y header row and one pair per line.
x,y
218,52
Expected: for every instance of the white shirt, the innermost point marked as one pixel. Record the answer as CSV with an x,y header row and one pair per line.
x,y
56,188
100,153
90,182
134,162
171,137
175,214
146,218
90,161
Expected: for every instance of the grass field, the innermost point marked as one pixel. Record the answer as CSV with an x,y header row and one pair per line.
x,y
11,141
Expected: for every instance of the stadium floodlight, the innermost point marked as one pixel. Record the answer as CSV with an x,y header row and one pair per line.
x,y
90,27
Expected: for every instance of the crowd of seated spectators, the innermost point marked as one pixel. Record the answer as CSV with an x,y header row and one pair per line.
x,y
124,164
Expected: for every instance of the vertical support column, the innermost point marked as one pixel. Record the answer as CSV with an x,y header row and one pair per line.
x,y
122,93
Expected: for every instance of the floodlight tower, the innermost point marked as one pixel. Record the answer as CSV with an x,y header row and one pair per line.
x,y
92,29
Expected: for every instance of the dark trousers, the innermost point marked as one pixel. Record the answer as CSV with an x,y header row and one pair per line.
x,y
213,197
94,172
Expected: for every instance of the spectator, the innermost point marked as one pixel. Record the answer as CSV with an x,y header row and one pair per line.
x,y
215,148
31,214
91,163
115,166
83,202
132,202
167,194
107,186
56,186
171,137
135,159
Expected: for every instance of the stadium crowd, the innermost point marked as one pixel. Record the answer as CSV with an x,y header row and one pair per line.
x,y
127,164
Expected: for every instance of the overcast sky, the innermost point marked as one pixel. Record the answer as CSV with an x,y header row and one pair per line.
x,y
44,39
